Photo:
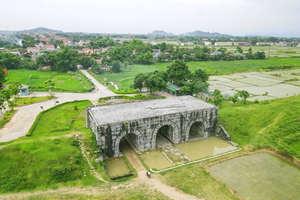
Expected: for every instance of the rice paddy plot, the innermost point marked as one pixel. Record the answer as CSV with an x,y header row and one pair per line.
x,y
234,76
219,78
259,176
219,87
198,149
278,91
155,160
235,84
116,167
257,82
257,76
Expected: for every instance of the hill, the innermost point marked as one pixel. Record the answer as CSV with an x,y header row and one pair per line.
x,y
206,34
42,29
161,33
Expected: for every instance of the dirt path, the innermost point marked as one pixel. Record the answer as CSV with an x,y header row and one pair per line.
x,y
171,192
271,124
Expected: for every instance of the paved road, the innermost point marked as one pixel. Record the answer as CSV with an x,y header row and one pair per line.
x,y
24,118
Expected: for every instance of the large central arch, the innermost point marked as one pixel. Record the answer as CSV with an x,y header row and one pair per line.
x,y
171,132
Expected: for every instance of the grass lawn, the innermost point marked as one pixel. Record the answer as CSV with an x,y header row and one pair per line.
x,y
244,123
21,101
62,120
194,180
7,115
125,78
64,82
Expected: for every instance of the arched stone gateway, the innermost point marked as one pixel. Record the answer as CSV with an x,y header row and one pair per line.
x,y
140,122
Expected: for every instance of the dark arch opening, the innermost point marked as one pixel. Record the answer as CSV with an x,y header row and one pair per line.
x,y
132,141
164,136
196,131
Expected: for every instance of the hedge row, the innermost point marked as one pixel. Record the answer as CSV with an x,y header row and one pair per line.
x,y
37,119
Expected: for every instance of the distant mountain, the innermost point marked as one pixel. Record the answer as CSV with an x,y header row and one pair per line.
x,y
42,29
205,34
161,33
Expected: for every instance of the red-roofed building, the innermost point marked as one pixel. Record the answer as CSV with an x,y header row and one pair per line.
x,y
45,39
33,49
243,44
99,61
166,53
155,50
86,50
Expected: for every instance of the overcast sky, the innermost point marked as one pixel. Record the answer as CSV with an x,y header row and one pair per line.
x,y
234,17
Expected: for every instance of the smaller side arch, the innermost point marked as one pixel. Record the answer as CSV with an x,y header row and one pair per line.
x,y
188,129
139,143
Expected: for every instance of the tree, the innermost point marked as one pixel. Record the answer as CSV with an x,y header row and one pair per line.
x,y
239,49
260,55
13,87
9,60
243,94
138,81
67,60
178,72
222,49
163,46
2,77
154,81
234,99
116,66
6,95
218,97
86,62
50,85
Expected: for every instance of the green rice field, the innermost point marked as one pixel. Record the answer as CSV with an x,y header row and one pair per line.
x,y
259,176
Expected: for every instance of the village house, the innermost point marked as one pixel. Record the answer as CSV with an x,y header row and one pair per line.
x,y
47,40
207,43
33,49
243,44
216,53
87,50
225,43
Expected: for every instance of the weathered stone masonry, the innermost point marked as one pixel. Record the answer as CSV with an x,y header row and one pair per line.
x,y
141,121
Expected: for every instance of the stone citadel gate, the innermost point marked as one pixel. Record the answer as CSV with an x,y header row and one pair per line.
x,y
175,118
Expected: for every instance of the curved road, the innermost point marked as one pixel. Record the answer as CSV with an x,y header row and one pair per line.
x,y
24,118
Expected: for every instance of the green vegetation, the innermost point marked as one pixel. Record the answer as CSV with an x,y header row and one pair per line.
x,y
21,101
6,117
131,98
64,82
42,164
194,180
268,124
211,67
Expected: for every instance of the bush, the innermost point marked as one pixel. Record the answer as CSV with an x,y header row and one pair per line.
x,y
256,101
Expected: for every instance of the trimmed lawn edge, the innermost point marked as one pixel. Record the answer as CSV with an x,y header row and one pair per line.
x,y
8,119
35,102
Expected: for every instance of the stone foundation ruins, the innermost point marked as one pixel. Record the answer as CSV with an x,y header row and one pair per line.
x,y
177,119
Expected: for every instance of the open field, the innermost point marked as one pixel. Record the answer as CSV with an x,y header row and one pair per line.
x,y
259,176
125,78
64,82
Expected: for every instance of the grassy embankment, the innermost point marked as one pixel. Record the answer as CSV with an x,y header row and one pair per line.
x,y
125,78
6,117
245,124
64,82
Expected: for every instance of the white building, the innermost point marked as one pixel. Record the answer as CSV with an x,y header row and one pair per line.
x,y
225,43
33,49
207,43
